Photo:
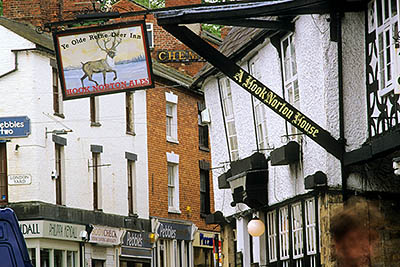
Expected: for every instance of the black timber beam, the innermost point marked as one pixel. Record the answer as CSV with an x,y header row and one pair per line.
x,y
243,10
257,89
257,23
374,149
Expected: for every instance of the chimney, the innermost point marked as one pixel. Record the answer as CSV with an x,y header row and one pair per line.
x,y
172,3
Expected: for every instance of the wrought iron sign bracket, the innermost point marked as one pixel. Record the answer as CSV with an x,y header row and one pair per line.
x,y
258,89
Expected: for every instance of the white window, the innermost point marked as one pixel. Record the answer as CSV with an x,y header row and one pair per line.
x,y
271,224
297,231
171,117
173,182
226,95
290,76
383,18
259,113
284,235
150,35
311,233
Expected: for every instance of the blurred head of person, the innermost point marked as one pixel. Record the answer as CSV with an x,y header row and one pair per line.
x,y
355,233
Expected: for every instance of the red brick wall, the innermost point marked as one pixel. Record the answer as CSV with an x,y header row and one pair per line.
x,y
187,149
171,3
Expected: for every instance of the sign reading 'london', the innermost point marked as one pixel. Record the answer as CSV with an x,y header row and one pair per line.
x,y
103,60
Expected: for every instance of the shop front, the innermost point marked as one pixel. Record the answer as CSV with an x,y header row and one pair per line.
x,y
136,249
103,247
174,246
52,243
206,249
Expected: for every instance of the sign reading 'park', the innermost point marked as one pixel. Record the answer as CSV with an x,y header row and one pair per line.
x,y
103,60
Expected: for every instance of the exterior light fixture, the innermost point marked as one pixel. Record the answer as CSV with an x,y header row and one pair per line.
x,y
255,227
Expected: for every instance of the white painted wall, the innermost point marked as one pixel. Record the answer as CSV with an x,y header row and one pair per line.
x,y
28,92
316,57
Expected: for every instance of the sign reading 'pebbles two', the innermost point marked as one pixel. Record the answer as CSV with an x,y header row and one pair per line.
x,y
14,127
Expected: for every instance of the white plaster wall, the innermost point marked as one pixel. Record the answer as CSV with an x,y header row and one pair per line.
x,y
111,135
355,99
28,92
316,58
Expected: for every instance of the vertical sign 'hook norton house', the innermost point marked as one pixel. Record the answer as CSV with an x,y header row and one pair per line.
x,y
103,60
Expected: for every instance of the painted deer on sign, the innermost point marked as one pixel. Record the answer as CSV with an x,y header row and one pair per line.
x,y
102,65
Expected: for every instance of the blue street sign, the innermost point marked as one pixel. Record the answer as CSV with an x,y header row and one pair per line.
x,y
14,127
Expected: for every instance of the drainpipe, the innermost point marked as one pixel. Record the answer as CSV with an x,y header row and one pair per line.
x,y
15,64
341,104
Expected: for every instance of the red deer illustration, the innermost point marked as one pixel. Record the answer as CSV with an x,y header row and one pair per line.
x,y
102,65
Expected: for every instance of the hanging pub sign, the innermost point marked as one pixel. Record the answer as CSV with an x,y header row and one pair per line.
x,y
103,60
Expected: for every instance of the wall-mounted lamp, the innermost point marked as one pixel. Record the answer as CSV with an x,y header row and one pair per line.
x,y
84,235
396,166
256,227
16,148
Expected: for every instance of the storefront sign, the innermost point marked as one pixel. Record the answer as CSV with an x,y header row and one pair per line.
x,y
136,239
19,179
165,56
174,231
103,60
204,239
136,244
14,127
106,235
49,229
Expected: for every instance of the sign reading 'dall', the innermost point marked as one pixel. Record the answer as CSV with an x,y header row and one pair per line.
x,y
103,60
14,127
49,229
19,179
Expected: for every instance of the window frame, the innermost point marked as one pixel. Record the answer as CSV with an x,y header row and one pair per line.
x,y
57,94
290,78
203,127
94,111
150,33
59,149
383,26
173,164
130,111
4,175
308,233
171,118
96,180
259,111
131,177
228,113
205,208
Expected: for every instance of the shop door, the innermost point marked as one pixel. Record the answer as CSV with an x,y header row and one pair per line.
x,y
3,174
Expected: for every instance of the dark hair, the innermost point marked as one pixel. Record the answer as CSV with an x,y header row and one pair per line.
x,y
358,214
